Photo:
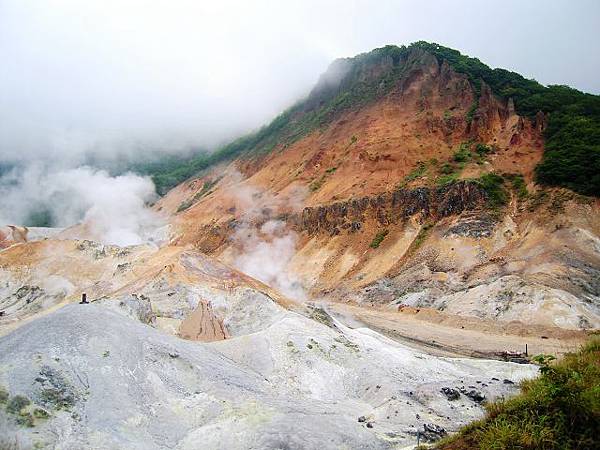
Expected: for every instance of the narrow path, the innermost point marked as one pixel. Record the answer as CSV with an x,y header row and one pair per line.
x,y
443,340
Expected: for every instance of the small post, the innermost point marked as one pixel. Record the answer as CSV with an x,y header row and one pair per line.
x,y
83,299
418,438
526,354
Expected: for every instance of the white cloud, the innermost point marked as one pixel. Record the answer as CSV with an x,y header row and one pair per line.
x,y
115,75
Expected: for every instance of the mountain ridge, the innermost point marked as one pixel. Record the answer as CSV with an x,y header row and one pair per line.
x,y
355,82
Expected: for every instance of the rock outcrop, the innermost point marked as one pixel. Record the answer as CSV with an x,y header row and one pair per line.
x,y
392,207
12,234
202,325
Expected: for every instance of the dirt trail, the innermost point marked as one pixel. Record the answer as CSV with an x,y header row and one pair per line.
x,y
452,339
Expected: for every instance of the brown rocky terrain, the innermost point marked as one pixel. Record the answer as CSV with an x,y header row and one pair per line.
x,y
377,220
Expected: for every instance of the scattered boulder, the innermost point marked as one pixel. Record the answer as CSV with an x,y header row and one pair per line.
x,y
474,395
432,432
451,394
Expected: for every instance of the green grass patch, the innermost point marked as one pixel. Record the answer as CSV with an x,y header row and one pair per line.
x,y
378,239
422,235
316,184
206,187
463,154
447,179
518,185
417,172
185,205
493,184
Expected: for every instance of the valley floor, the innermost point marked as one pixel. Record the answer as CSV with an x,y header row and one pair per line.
x,y
436,334
176,348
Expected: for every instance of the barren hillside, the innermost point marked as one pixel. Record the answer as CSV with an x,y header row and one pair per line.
x,y
417,188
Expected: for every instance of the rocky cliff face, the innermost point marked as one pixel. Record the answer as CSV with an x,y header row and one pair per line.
x,y
392,207
350,216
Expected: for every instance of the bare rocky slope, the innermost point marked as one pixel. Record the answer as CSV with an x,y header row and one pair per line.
x,y
422,194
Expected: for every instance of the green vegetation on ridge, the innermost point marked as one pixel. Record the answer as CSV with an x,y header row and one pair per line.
x,y
571,159
572,151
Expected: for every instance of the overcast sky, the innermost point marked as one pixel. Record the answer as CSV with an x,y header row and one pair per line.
x,y
79,76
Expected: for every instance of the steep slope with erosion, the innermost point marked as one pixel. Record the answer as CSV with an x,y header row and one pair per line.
x,y
406,181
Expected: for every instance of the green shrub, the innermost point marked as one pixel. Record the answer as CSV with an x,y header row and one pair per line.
x,y
184,205
25,420
58,398
463,154
16,404
482,149
378,239
447,169
518,184
3,395
572,154
40,413
493,184
206,187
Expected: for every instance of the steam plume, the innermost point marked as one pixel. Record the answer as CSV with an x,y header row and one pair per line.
x,y
263,247
113,210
